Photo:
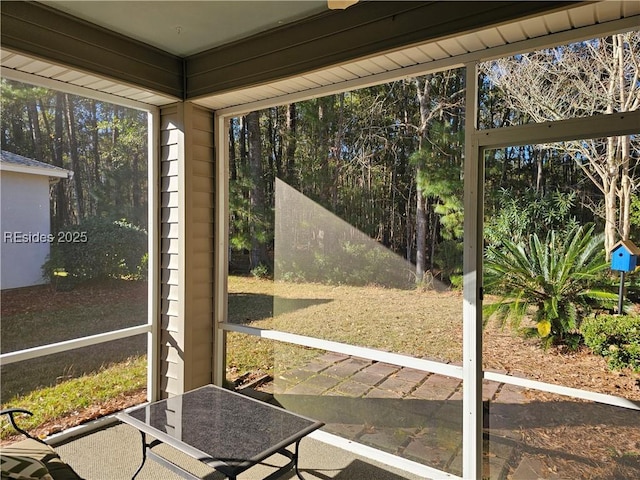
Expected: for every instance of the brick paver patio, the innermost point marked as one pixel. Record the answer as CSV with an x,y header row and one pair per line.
x,y
408,412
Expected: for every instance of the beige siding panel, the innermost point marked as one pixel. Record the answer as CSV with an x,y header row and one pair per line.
x,y
203,258
169,308
202,119
203,230
169,230
169,353
201,276
169,122
170,292
169,215
203,169
171,324
202,246
170,246
417,55
170,137
186,209
169,184
170,370
558,21
169,199
169,152
628,8
202,379
202,184
202,199
169,261
169,168
170,277
170,387
202,153
202,137
202,304
203,214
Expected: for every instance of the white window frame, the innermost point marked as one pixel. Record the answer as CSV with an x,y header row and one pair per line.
x,y
152,324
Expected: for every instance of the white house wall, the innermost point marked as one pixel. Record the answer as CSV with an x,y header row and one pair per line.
x,y
25,229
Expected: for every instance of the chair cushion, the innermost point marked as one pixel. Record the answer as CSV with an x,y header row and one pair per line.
x,y
56,468
17,467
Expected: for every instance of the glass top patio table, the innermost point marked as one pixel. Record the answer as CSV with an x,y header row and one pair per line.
x,y
223,429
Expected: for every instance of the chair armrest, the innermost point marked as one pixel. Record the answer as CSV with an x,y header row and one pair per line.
x,y
10,412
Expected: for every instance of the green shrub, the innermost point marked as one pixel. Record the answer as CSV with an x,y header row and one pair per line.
x,y
558,278
98,248
616,337
261,271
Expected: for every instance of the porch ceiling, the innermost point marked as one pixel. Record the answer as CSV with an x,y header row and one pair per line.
x,y
312,51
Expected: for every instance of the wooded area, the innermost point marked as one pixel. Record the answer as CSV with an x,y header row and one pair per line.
x,y
387,159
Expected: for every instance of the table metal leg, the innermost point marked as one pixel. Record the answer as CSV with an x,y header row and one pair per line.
x,y
144,455
295,460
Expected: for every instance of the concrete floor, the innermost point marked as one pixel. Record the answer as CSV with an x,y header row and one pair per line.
x,y
114,453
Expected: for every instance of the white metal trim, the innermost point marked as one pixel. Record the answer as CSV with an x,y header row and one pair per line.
x,y
153,253
59,347
472,281
381,456
221,246
596,126
398,359
83,429
562,390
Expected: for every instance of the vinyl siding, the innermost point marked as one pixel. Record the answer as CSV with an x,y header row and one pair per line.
x,y
186,248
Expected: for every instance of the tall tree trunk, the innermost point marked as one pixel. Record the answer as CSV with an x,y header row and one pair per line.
x,y
424,99
233,168
136,190
96,170
539,164
259,254
60,217
291,143
36,134
75,157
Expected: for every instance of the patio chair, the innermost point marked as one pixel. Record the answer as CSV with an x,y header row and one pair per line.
x,y
31,459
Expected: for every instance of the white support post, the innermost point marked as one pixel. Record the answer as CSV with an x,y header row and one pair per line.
x,y
472,303
221,246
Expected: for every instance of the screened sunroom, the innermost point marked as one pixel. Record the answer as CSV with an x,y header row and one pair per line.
x,y
407,380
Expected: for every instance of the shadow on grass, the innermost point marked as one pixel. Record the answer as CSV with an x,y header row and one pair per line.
x,y
23,377
37,316
250,307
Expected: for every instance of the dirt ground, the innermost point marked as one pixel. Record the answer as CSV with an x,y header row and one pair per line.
x,y
504,351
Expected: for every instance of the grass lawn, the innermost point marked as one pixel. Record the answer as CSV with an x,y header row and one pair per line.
x,y
67,383
425,324
412,322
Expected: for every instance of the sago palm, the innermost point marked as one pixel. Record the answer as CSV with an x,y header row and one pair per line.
x,y
556,279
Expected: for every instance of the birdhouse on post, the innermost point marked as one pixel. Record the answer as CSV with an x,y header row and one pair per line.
x,y
624,256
